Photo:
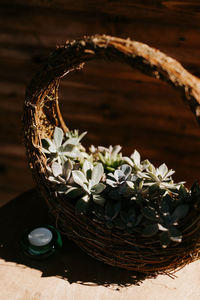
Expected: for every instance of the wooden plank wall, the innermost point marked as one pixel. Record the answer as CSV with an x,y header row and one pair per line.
x,y
112,102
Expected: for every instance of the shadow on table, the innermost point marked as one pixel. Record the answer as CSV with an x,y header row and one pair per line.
x,y
71,262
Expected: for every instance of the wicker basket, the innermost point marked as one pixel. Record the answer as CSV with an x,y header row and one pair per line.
x,y
42,114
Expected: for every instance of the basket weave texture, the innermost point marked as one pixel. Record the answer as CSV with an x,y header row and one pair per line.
x,y
42,114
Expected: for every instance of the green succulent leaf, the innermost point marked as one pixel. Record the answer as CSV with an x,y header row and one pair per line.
x,y
170,173
75,193
124,216
79,178
87,166
67,149
82,205
130,184
182,192
164,239
164,207
119,224
71,142
136,158
128,217
126,169
145,163
180,212
81,136
162,170
56,169
62,189
138,219
151,169
52,148
97,174
132,214
115,150
98,199
153,188
111,182
112,210
162,228
150,230
127,160
118,175
67,169
98,188
102,158
175,235
58,136
149,213
98,211
53,179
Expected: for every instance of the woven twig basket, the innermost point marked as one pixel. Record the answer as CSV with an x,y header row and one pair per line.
x,y
42,114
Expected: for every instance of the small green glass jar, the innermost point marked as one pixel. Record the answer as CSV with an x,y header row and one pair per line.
x,y
41,242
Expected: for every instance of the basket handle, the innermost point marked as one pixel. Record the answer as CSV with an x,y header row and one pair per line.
x,y
42,114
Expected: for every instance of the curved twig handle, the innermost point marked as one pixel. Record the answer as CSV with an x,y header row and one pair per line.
x,y
41,105
42,114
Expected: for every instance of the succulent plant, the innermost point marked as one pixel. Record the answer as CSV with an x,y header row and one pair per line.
x,y
110,157
88,179
117,183
75,134
119,177
164,218
122,192
60,149
60,173
111,211
161,177
130,218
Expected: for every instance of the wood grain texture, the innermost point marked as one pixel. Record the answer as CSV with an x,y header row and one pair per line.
x,y
90,100
20,282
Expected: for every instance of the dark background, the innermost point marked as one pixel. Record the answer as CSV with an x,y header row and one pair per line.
x,y
113,103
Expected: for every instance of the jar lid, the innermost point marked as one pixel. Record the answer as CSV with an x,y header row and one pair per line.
x,y
41,242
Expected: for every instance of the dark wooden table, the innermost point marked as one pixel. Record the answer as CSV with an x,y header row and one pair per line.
x,y
72,274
